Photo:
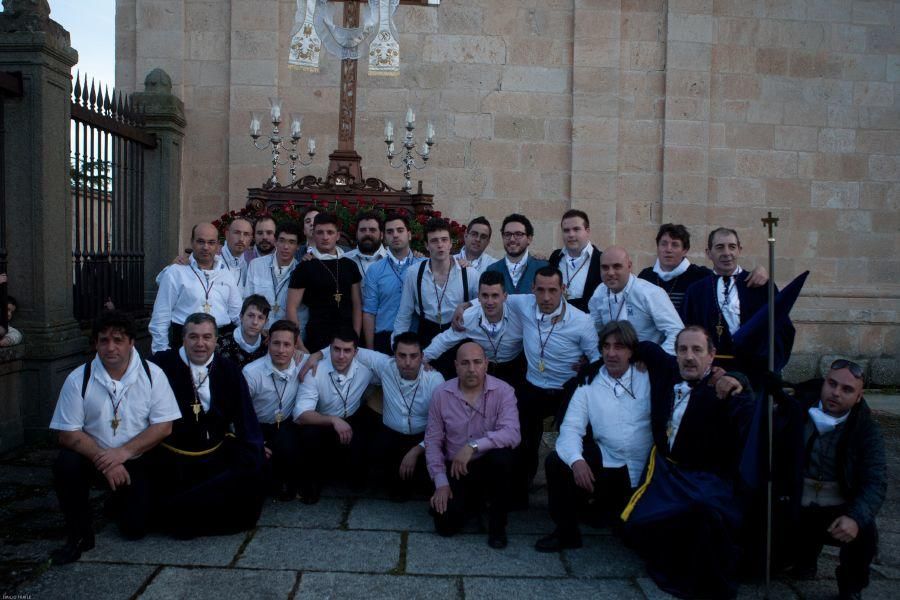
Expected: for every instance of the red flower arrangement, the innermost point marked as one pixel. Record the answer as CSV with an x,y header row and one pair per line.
x,y
346,210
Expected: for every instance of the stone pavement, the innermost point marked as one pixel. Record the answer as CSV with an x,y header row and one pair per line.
x,y
355,547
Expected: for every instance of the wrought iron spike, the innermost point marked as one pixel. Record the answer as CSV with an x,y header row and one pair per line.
x,y
76,93
106,110
119,107
93,97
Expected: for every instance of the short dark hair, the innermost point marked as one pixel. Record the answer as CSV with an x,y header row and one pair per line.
x,y
517,218
481,221
435,224
574,212
285,325
549,271
676,232
410,338
396,216
710,346
324,218
264,218
110,319
492,278
624,331
258,301
345,334
290,228
199,318
717,231
12,300
370,215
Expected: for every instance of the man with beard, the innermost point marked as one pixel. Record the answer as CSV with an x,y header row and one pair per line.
x,y
369,250
685,517
578,260
517,267
237,241
309,242
209,470
383,284
477,239
263,239
269,276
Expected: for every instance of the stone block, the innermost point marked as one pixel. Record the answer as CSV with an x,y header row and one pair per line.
x,y
596,52
835,194
863,67
645,56
837,140
385,515
216,551
594,157
253,15
470,555
536,79
478,77
382,587
747,135
518,128
848,38
687,133
877,117
787,193
814,64
685,189
858,221
597,131
253,72
690,28
214,584
694,84
617,561
828,10
469,49
735,86
597,23
361,551
771,61
801,113
160,44
832,167
870,13
484,588
465,19
160,15
645,27
327,514
884,168
882,40
893,68
795,138
884,372
84,580
473,126
690,109
460,102
733,59
873,93
840,115
760,163
733,191
688,55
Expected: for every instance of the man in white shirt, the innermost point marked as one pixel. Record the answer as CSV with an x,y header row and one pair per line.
x,y
624,297
477,239
110,412
433,290
270,275
203,285
272,381
490,326
335,425
615,403
237,241
578,260
369,249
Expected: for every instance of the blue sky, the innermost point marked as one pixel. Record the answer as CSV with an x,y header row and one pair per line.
x,y
92,25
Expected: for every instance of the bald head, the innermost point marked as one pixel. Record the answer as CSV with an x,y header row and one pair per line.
x,y
471,367
205,244
615,268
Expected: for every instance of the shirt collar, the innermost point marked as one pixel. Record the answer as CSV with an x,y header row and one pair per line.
x,y
288,373
244,344
315,252
586,253
184,358
377,255
737,271
229,258
670,275
512,266
547,318
402,261
132,372
218,264
490,383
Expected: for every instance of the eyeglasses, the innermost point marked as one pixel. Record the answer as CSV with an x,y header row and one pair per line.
x,y
478,236
855,369
508,235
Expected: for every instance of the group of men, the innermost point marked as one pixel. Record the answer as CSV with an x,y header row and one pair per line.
x,y
282,361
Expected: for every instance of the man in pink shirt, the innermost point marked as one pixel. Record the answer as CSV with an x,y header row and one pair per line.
x,y
473,425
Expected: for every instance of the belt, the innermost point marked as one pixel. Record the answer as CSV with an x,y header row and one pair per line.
x,y
206,452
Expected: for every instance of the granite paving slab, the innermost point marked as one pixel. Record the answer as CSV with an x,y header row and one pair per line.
x,y
889,548
827,590
81,580
465,554
26,475
213,551
326,514
486,588
349,586
322,550
779,590
604,556
386,515
215,584
20,550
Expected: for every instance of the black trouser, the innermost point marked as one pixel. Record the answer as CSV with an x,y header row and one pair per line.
x,y
612,489
488,479
512,372
321,450
855,557
443,364
176,333
283,469
73,475
382,342
535,405
389,449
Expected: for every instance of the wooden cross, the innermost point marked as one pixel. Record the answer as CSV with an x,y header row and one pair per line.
x,y
770,222
345,161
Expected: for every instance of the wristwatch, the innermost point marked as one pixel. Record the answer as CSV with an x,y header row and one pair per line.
x,y
473,445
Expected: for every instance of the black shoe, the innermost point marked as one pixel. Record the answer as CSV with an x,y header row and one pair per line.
x,y
557,541
72,550
497,539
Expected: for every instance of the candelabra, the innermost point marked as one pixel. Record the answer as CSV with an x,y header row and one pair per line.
x,y
276,141
409,153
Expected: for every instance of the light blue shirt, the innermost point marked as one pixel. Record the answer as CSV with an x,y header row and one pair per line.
x,y
382,288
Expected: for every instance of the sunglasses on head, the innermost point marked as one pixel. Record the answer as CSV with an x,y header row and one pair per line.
x,y
855,369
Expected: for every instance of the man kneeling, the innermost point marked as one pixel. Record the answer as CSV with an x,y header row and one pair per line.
x,y
110,412
473,425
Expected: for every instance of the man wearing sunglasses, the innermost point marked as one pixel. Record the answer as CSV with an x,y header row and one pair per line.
x,y
843,478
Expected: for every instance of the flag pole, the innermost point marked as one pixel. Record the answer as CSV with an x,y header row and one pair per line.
x,y
770,222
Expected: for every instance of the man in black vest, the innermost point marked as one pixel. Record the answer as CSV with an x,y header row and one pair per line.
x,y
578,260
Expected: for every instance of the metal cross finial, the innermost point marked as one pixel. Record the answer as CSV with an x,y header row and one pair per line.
x,y
770,222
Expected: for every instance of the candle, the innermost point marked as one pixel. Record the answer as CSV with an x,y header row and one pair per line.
x,y
391,149
296,121
389,131
429,132
410,117
276,109
254,124
311,146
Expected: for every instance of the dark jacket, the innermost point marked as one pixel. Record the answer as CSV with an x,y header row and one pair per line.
x,y
592,279
525,281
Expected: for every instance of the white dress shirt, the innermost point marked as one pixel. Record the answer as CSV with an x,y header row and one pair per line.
x,y
184,290
563,344
575,270
645,305
516,269
364,261
502,341
682,395
200,377
406,402
433,296
618,411
479,264
236,265
267,279
140,404
271,390
330,393
730,304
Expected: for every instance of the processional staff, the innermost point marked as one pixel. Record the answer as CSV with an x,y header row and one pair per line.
x,y
770,222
